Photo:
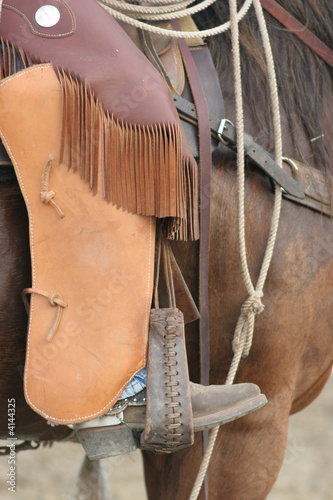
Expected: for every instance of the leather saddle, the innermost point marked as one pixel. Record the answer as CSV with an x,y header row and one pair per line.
x,y
92,265
92,261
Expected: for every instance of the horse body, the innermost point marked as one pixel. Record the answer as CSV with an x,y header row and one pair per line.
x,y
291,356
292,349
15,274
287,360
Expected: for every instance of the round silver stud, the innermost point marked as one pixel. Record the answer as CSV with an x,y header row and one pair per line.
x,y
47,16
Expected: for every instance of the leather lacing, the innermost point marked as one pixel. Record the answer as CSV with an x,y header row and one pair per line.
x,y
172,435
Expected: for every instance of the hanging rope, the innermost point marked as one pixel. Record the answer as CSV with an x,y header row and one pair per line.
x,y
245,326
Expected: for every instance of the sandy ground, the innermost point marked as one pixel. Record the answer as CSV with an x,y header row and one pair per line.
x,y
307,472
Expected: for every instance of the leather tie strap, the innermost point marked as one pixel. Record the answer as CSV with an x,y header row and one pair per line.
x,y
299,30
205,180
55,300
205,156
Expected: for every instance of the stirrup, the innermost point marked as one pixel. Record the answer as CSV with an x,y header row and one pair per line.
x,y
169,418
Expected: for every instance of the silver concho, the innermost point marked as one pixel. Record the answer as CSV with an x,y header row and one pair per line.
x,y
47,16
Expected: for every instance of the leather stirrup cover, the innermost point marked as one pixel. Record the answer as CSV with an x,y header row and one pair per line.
x,y
169,418
92,265
113,94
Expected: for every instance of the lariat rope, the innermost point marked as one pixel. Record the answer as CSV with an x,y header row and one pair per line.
x,y
243,335
109,6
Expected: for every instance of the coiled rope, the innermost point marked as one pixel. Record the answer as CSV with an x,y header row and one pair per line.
x,y
175,9
108,5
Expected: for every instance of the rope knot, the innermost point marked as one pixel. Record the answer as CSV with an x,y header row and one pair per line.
x,y
56,300
253,304
243,335
46,195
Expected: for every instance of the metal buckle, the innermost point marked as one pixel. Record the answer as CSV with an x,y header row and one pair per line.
x,y
220,130
290,162
294,169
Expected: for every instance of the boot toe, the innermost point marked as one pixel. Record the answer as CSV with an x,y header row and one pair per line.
x,y
220,404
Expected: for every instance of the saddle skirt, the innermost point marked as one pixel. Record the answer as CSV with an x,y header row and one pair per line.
x,y
92,264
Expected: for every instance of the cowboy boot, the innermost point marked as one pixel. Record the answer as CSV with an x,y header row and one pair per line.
x,y
123,429
164,417
175,408
211,405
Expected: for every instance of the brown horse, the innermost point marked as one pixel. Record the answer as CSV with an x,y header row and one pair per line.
x,y
292,351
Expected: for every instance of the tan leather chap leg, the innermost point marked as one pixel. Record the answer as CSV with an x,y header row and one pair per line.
x,y
91,269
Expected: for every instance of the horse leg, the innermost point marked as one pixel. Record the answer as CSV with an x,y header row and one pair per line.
x,y
312,393
246,461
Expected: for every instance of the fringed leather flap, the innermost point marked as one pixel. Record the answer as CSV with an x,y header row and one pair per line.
x,y
142,167
117,110
92,265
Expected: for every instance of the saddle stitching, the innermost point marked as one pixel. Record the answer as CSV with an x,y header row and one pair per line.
x,y
39,33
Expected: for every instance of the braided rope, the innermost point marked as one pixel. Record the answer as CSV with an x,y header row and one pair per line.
x,y
182,13
147,12
244,330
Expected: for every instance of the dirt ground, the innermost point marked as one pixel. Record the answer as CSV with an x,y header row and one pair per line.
x,y
307,472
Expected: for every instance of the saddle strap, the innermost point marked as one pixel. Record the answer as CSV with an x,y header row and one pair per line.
x,y
290,22
205,156
205,182
226,133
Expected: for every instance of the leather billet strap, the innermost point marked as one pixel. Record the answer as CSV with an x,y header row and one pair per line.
x,y
317,186
205,156
301,183
290,22
205,182
213,94
226,133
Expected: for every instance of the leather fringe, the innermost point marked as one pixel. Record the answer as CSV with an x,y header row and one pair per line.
x,y
11,59
141,169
